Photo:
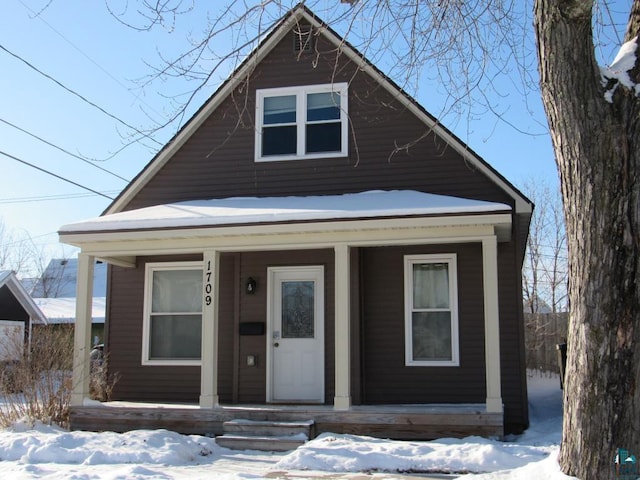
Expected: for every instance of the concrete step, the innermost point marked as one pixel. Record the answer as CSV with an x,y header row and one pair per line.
x,y
264,435
268,428
262,443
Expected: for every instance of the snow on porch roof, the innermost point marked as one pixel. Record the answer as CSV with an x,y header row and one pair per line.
x,y
259,210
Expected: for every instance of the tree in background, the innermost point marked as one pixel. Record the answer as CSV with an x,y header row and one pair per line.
x,y
544,278
594,126
21,254
545,271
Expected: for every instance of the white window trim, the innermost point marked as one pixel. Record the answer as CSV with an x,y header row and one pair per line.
x,y
409,261
301,99
146,323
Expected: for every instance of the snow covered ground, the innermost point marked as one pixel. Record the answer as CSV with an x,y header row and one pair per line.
x,y
45,452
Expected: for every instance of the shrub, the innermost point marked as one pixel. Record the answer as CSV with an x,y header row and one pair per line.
x,y
38,385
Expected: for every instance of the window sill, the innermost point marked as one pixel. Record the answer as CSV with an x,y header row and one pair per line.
x,y
284,158
172,363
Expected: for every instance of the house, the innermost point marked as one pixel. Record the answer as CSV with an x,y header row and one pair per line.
x,y
18,314
55,294
60,278
311,245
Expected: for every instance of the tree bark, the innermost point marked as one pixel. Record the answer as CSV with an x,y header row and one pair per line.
x,y
597,148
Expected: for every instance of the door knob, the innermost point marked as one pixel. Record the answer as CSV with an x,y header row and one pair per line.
x,y
276,344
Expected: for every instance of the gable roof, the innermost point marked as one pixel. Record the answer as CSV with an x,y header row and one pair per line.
x,y
60,279
8,279
298,14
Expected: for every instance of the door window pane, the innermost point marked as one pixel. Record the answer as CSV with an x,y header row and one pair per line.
x,y
298,310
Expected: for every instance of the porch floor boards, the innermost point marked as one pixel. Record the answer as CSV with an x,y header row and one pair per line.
x,y
403,422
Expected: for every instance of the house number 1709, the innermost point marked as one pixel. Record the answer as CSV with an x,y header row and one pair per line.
x,y
207,285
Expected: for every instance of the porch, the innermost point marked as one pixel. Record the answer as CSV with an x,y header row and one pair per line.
x,y
402,422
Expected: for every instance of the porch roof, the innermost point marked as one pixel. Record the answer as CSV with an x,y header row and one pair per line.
x,y
269,210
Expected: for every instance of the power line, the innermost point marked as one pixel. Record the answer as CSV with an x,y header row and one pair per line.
x,y
45,198
76,94
54,175
33,135
78,49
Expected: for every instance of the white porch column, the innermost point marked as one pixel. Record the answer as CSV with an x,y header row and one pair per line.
x,y
82,331
209,351
342,399
491,323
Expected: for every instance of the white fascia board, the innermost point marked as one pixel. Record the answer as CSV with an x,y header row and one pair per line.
x,y
194,123
293,236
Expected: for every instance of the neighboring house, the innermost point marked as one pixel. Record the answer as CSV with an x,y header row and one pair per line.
x,y
60,278
284,257
18,314
55,294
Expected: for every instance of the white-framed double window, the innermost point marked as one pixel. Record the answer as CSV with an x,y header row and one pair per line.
x,y
431,310
303,122
172,327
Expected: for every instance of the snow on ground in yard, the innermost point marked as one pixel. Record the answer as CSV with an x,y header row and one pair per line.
x,y
45,452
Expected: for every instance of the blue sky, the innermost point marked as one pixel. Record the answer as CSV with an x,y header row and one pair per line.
x,y
77,43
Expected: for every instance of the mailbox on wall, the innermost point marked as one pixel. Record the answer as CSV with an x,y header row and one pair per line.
x,y
252,328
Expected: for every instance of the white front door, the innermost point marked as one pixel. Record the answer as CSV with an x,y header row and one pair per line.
x,y
296,335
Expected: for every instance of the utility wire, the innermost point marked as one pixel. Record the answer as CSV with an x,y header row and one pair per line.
x,y
73,92
46,198
138,98
62,149
54,175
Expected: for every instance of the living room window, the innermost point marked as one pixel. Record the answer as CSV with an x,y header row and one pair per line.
x,y
172,314
301,122
431,310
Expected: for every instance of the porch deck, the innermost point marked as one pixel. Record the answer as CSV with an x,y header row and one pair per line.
x,y
406,422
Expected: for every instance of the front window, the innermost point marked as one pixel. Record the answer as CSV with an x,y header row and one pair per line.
x,y
301,122
173,314
431,322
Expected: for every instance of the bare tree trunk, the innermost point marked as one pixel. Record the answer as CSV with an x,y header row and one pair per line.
x,y
597,147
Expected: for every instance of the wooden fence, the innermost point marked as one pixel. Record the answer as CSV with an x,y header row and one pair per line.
x,y
543,332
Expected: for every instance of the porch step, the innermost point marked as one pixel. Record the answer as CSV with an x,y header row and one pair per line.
x,y
267,436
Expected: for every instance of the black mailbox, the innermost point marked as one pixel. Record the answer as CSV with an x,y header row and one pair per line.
x,y
252,328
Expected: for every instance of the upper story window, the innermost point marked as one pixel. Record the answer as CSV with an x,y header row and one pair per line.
x,y
431,310
301,122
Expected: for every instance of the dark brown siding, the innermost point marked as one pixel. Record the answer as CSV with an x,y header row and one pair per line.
x,y
387,378
236,381
218,160
138,382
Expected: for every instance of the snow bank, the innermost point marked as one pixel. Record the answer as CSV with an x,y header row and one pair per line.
x,y
41,451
